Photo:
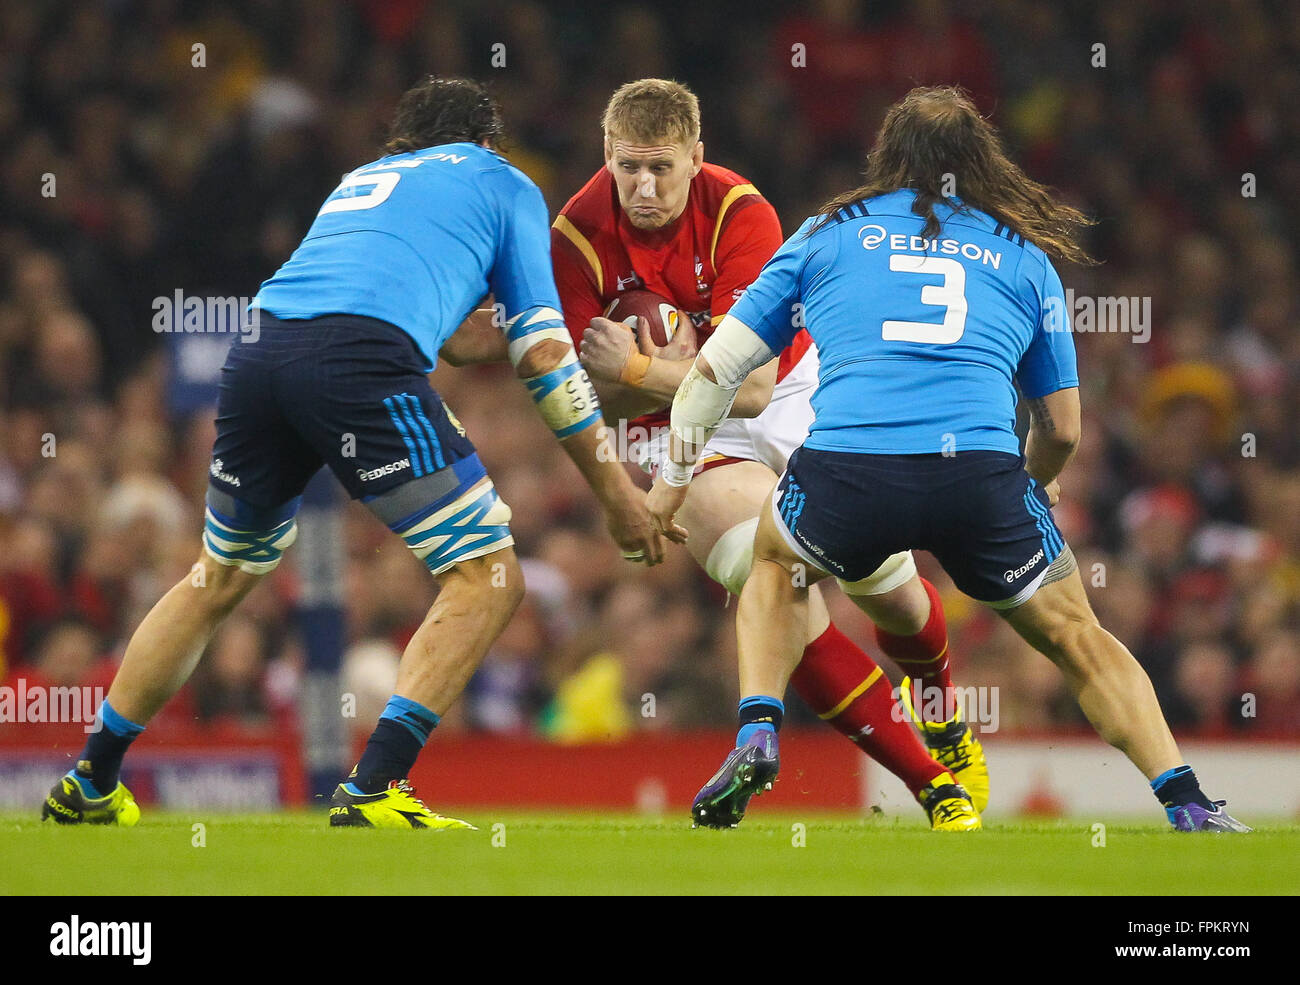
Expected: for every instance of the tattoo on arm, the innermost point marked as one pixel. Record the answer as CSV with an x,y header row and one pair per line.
x,y
1041,415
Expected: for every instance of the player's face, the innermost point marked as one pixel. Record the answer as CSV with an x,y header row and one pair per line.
x,y
653,180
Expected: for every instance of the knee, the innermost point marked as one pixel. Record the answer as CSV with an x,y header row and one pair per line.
x,y
496,579
221,586
1066,641
774,581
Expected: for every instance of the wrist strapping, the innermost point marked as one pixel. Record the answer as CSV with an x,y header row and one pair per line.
x,y
675,473
634,369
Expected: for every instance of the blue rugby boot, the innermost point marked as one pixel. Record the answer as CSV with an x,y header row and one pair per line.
x,y
1194,817
748,770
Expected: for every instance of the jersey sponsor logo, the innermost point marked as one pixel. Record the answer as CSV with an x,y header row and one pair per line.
x,y
369,475
1011,576
631,280
873,235
218,471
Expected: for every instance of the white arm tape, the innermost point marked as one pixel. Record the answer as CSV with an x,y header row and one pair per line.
x,y
564,395
699,407
733,351
530,327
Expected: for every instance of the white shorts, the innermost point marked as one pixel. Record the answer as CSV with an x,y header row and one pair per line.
x,y
769,438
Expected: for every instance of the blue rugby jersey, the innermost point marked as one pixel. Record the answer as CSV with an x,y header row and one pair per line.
x,y
417,239
918,339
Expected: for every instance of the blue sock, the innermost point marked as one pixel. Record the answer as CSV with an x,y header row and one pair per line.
x,y
403,729
100,763
1179,786
759,713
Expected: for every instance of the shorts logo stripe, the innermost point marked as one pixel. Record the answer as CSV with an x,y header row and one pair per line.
x,y
416,468
418,409
1052,542
792,504
416,433
1057,542
1042,530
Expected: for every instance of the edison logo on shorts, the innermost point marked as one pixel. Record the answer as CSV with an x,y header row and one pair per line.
x,y
369,475
218,471
1011,576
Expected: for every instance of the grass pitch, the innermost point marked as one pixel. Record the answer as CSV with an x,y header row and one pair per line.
x,y
513,853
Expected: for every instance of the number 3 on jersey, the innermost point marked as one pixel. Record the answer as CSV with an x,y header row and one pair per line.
x,y
950,295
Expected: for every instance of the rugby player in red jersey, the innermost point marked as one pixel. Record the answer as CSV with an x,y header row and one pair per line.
x,y
656,217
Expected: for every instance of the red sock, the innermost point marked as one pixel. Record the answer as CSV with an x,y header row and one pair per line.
x,y
924,657
847,689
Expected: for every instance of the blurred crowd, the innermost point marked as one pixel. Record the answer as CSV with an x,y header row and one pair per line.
x,y
159,145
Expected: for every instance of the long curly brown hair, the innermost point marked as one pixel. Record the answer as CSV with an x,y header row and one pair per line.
x,y
934,140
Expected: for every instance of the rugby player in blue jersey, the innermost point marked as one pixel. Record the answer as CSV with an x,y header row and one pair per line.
x,y
399,254
930,294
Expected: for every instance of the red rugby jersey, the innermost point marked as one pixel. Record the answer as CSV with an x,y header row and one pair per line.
x,y
702,262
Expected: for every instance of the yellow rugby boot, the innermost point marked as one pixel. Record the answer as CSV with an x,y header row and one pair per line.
x,y
949,805
953,746
68,803
395,807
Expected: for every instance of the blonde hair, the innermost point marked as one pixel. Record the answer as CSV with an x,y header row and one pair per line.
x,y
648,110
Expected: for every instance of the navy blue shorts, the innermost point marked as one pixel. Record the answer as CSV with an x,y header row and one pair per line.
x,y
978,512
340,390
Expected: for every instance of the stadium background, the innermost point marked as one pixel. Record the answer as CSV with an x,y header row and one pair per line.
x,y
1186,492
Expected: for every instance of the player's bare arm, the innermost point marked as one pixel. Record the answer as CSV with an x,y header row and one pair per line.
x,y
1054,433
588,447
478,340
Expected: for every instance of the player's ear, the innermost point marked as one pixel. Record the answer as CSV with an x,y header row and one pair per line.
x,y
697,158
609,151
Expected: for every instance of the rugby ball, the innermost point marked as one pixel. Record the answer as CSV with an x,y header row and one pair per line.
x,y
658,314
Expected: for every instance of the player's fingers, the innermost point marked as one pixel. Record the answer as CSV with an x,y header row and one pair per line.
x,y
644,342
654,549
649,553
671,529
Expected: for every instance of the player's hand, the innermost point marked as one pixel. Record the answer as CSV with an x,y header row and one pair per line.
x,y
663,502
605,347
633,529
1053,490
683,345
